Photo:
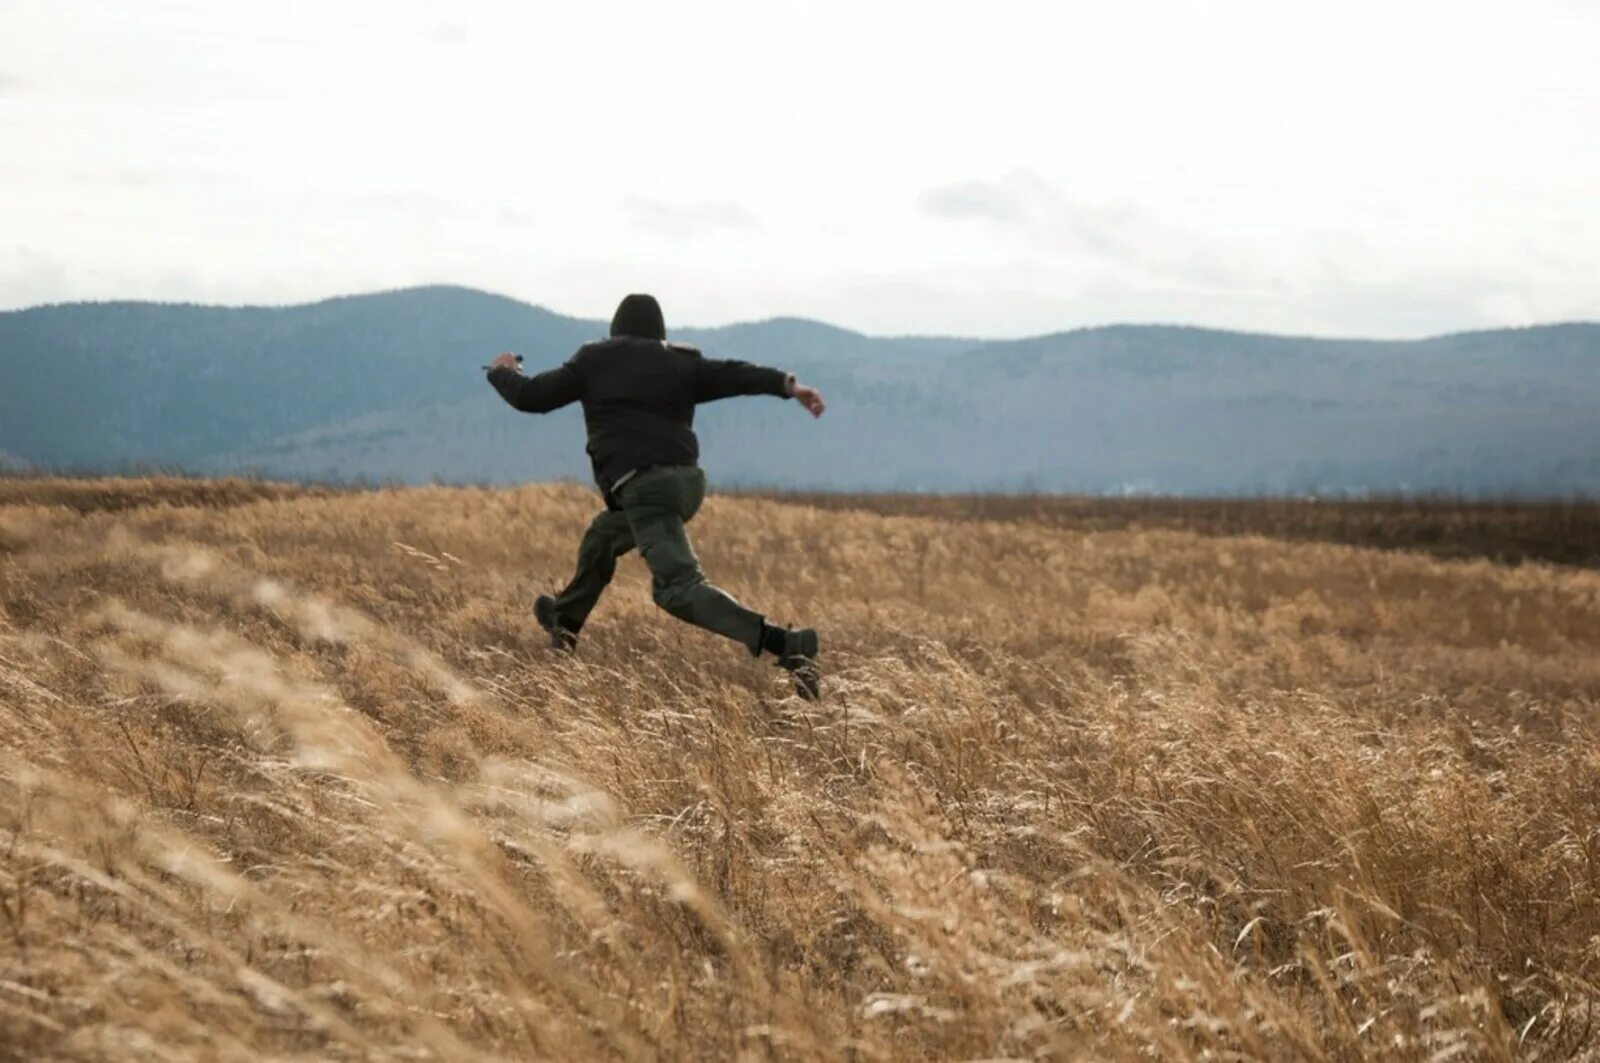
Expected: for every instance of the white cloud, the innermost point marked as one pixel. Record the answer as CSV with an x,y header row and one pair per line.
x,y
1045,215
986,200
688,221
450,33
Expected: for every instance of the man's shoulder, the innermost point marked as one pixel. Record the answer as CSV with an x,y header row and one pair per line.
x,y
593,351
611,344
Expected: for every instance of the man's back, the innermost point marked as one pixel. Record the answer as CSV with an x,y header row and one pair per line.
x,y
638,404
638,398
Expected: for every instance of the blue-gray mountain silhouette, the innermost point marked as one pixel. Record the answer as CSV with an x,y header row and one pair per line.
x,y
387,387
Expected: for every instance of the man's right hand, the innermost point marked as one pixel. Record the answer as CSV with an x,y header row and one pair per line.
x,y
810,398
508,360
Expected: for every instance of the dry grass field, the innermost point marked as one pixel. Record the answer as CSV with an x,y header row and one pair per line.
x,y
1565,531
291,773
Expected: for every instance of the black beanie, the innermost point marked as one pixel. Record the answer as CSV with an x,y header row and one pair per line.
x,y
639,315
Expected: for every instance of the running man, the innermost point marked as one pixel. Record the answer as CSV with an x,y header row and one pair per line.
x,y
639,393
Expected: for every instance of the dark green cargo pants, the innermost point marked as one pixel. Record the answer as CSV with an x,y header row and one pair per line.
x,y
655,506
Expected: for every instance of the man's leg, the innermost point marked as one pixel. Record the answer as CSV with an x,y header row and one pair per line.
x,y
608,538
656,507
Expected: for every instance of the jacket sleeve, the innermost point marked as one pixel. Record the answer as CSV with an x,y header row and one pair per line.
x,y
716,379
547,391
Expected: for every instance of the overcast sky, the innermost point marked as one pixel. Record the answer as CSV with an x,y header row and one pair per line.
x,y
1389,168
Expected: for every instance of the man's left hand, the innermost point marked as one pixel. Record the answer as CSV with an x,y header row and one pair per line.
x,y
810,398
508,360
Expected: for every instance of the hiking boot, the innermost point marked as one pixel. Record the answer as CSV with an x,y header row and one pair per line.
x,y
799,658
561,637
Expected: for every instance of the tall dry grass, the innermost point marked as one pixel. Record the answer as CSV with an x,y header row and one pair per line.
x,y
288,774
1561,530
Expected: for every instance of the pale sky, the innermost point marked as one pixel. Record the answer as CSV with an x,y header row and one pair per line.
x,y
1390,168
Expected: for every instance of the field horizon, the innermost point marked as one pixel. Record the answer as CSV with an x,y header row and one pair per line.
x,y
289,771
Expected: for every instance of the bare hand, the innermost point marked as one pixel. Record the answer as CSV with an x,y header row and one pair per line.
x,y
509,360
810,398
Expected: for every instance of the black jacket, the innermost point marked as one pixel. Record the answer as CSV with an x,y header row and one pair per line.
x,y
638,398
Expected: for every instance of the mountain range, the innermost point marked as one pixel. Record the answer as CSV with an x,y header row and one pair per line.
x,y
387,387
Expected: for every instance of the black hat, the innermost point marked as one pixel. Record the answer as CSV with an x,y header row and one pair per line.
x,y
639,315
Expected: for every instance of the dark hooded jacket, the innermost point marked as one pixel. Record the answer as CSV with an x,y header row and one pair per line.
x,y
638,391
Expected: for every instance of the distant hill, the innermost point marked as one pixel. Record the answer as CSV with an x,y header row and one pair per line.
x,y
387,387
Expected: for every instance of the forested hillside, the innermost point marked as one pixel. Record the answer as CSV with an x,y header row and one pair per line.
x,y
387,387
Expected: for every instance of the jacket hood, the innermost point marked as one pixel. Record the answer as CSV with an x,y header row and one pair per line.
x,y
639,315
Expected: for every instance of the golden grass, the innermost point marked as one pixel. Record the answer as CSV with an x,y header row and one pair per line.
x,y
1561,530
292,774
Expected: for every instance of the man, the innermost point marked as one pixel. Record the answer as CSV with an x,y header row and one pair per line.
x,y
639,393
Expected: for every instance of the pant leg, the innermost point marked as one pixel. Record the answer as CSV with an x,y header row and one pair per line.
x,y
657,504
608,538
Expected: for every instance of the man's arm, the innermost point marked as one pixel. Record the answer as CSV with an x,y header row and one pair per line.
x,y
717,379
723,379
547,391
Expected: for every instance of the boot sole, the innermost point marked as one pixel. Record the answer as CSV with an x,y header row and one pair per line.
x,y
802,666
544,611
809,644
